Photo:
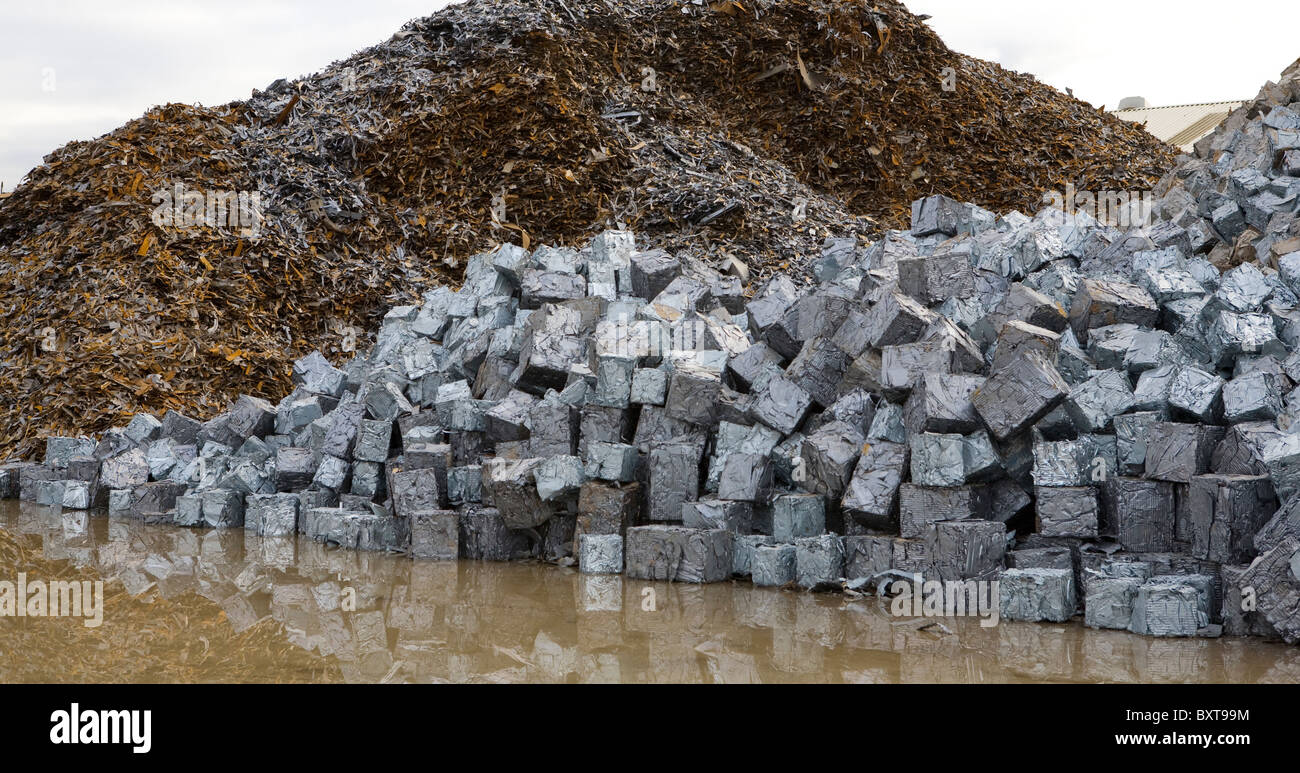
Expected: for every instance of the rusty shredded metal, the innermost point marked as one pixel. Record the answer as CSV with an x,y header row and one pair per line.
x,y
748,130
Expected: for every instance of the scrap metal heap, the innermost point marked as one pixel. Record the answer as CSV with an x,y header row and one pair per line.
x,y
1097,417
720,130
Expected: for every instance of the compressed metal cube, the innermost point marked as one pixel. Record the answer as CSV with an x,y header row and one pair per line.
x,y
294,468
798,515
1230,336
1131,440
818,369
888,424
1017,336
269,515
1086,460
251,416
652,271
1140,514
314,373
1070,511
649,386
143,428
189,508
937,460
1018,395
920,507
58,450
368,480
1226,512
867,556
537,287
600,424
897,319
605,508
613,380
76,495
674,478
1108,602
611,461
1177,452
753,367
872,494
222,508
966,549
1099,302
1252,397
735,517
1093,404
1036,595
940,402
180,428
514,493
773,565
507,421
677,554
373,441
1276,582
746,477
560,476
332,473
485,536
553,428
435,534
829,455
1238,618
1041,558
693,394
126,470
1164,608
465,484
1196,393
782,405
742,552
819,561
545,359
600,553
980,459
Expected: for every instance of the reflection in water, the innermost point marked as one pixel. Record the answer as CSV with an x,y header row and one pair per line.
x,y
388,618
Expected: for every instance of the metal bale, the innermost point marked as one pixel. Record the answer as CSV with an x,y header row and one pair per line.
x,y
774,565
819,561
600,553
871,497
798,515
920,507
1108,602
1070,511
1013,398
1139,513
1177,452
1164,608
435,535
966,549
677,554
1036,595
1226,512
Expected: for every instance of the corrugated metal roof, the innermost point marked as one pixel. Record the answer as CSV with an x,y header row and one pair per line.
x,y
1180,125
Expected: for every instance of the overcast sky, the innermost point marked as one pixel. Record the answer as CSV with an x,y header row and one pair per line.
x,y
75,69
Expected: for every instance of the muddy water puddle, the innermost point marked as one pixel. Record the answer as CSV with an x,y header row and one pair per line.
x,y
366,617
